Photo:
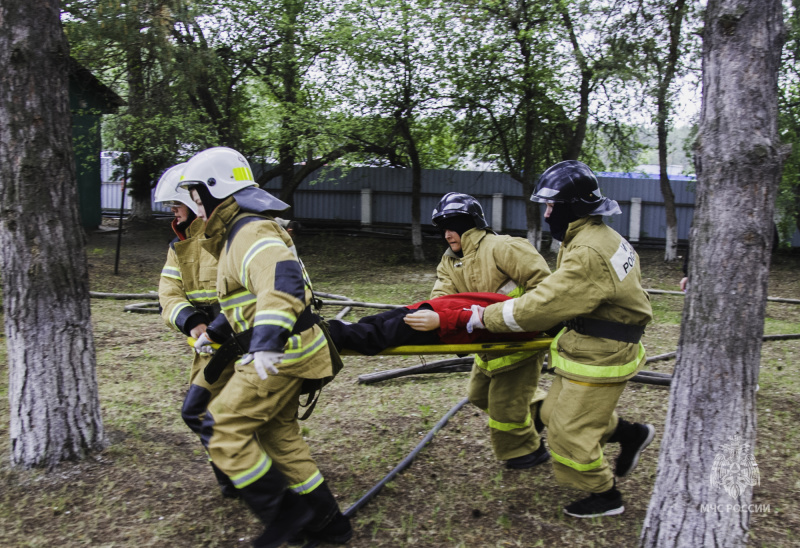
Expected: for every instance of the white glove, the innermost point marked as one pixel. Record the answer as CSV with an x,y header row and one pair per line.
x,y
203,345
265,362
476,320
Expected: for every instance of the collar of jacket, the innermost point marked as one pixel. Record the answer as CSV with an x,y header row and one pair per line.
x,y
197,227
575,226
469,242
217,225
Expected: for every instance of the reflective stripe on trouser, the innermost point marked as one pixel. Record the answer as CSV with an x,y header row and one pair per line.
x,y
579,420
244,416
510,398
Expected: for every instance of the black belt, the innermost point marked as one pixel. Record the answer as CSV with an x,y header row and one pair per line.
x,y
239,345
606,330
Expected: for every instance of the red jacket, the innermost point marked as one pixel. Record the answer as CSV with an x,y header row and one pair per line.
x,y
454,313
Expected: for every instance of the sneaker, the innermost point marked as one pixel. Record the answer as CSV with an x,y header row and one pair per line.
x,y
541,455
632,447
608,503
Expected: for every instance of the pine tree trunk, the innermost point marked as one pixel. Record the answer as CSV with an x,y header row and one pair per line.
x,y
712,399
54,404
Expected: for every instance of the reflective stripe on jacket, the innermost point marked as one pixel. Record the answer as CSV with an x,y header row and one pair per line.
x,y
597,276
491,263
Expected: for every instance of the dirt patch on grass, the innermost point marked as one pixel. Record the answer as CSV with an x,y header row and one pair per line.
x,y
152,485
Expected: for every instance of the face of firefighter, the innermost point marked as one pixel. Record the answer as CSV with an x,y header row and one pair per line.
x,y
548,210
201,212
453,238
180,211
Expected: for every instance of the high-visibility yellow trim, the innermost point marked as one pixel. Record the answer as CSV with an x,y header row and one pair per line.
x,y
309,485
576,465
253,474
507,426
242,174
502,361
518,291
597,371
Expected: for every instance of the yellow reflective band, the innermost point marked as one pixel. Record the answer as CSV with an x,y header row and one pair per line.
x,y
576,465
169,272
309,485
254,250
295,355
507,426
173,317
253,474
497,363
242,174
596,371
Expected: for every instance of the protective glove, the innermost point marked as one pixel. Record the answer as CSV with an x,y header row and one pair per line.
x,y
264,361
476,320
203,345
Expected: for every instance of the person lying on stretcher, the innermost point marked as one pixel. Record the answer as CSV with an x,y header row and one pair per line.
x,y
441,320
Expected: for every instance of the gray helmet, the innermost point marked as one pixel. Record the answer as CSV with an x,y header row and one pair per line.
x,y
572,182
455,203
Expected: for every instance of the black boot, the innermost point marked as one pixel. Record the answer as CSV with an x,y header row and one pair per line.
x,y
265,498
633,438
293,514
328,525
229,491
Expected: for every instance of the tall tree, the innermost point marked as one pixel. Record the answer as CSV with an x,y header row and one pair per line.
x,y
663,53
395,52
54,403
527,75
711,423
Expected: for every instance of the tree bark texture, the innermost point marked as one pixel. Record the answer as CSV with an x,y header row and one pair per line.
x,y
738,162
54,404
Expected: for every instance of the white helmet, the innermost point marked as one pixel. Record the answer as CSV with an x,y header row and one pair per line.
x,y
221,169
167,189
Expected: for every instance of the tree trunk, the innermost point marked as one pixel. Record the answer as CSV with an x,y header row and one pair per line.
x,y
676,13
532,216
712,399
53,399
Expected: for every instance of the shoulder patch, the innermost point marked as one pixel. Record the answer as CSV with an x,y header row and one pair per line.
x,y
624,259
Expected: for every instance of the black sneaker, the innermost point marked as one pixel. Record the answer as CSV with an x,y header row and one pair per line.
x,y
596,505
338,531
631,448
540,456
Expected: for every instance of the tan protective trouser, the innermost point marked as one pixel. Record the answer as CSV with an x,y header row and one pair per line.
x,y
510,398
579,420
252,417
196,374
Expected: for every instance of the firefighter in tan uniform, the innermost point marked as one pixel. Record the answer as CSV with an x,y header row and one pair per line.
x,y
187,297
596,290
265,297
504,386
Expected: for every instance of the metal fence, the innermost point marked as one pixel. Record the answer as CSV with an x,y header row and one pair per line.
x,y
381,197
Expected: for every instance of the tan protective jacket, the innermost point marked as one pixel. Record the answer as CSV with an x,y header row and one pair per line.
x,y
188,283
495,264
597,276
262,285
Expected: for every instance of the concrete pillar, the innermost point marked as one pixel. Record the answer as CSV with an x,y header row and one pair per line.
x,y
366,207
635,228
497,212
